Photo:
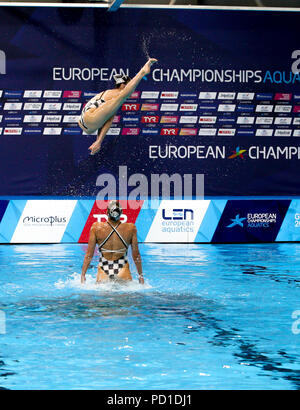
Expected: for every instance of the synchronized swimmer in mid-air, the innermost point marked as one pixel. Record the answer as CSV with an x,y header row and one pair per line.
x,y
99,112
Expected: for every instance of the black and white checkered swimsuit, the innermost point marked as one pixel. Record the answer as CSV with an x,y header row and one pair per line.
x,y
95,102
113,267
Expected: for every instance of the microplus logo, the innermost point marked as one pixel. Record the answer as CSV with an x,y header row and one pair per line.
x,y
2,62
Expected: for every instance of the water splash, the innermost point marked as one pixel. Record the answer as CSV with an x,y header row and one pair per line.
x,y
74,282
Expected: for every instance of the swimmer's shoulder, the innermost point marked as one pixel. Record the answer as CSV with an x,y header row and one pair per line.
x,y
130,227
97,226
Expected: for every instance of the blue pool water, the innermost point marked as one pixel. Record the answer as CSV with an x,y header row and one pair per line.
x,y
209,317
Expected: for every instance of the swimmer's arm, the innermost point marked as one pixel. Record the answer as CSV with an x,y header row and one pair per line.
x,y
89,253
137,256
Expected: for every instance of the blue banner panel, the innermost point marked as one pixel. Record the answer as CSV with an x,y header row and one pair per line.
x,y
3,206
251,221
219,102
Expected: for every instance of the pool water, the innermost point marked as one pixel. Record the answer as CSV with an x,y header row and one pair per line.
x,y
208,317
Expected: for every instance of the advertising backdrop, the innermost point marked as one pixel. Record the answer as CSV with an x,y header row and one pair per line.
x,y
223,101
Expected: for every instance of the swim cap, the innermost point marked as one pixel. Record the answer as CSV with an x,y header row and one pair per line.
x,y
121,79
114,210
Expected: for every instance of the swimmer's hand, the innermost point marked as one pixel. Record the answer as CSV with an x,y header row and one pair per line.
x,y
147,67
82,278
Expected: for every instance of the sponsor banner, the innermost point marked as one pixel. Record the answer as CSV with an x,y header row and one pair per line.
x,y
52,131
33,93
150,119
290,228
282,97
245,120
188,107
33,118
245,108
43,221
148,107
12,131
226,131
32,131
169,131
251,221
150,95
207,95
245,96
72,94
226,96
52,94
207,132
177,221
168,119
12,106
13,94
166,221
150,131
130,107
188,119
283,108
114,131
130,131
51,106
226,107
188,131
30,106
169,94
169,107
72,106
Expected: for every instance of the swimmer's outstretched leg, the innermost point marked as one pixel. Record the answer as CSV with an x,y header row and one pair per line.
x,y
95,119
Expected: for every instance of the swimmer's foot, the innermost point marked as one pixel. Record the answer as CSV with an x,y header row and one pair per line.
x,y
147,67
95,147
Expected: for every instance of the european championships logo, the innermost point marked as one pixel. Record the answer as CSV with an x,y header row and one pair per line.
x,y
237,153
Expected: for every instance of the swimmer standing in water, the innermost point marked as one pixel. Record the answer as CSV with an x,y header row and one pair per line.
x,y
98,113
113,239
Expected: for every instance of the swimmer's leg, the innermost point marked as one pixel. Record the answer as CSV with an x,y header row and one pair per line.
x,y
95,118
101,276
124,274
95,147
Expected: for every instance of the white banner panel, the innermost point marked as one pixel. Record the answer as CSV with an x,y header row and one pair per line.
x,y
177,221
43,221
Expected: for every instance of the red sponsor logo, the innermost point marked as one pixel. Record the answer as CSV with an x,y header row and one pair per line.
x,y
169,94
296,108
12,131
150,119
130,131
135,95
150,107
283,97
167,119
131,210
130,107
169,131
116,119
188,131
72,94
